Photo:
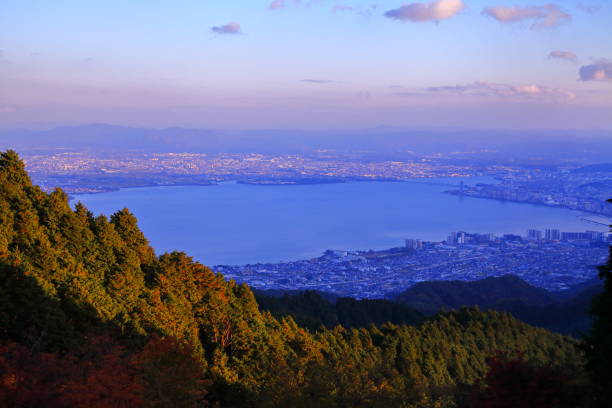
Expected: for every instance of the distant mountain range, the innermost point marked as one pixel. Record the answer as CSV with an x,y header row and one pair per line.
x,y
595,144
564,312
489,292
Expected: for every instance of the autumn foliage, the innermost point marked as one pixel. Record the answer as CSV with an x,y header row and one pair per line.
x,y
512,382
164,373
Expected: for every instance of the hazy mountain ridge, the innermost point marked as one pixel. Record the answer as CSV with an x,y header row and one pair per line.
x,y
564,312
594,144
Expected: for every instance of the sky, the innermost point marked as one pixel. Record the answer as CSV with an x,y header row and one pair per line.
x,y
307,64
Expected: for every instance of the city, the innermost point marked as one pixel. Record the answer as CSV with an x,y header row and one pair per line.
x,y
584,189
550,259
574,187
79,172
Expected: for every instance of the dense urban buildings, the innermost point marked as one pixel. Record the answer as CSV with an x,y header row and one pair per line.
x,y
573,187
551,263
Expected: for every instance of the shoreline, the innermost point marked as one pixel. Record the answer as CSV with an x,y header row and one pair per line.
x,y
280,183
539,204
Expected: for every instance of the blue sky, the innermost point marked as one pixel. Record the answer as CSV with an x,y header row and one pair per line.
x,y
307,64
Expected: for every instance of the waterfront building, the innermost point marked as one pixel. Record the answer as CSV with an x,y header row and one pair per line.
x,y
534,234
414,244
553,235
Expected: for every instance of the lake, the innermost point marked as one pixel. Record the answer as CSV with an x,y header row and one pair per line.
x,y
234,223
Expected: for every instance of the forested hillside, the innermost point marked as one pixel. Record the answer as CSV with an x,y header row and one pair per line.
x,y
90,316
311,310
564,312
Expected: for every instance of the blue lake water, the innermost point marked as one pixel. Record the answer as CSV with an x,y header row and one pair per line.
x,y
236,223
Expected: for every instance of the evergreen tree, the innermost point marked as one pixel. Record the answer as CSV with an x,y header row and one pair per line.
x,y
599,341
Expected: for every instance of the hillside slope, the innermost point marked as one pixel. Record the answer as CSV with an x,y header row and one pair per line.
x,y
564,312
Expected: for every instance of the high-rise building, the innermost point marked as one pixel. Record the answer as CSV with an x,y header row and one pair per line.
x,y
414,243
553,235
461,237
571,236
483,237
534,234
596,235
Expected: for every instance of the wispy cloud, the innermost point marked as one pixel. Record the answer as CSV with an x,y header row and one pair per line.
x,y
365,11
600,70
229,28
564,55
546,16
277,4
320,81
437,10
281,4
337,8
588,8
342,7
499,91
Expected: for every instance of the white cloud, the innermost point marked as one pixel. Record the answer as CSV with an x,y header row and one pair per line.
x,y
600,70
229,28
277,4
365,11
342,7
564,55
433,11
546,16
489,89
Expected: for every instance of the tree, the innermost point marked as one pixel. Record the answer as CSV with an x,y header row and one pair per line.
x,y
171,375
514,383
99,377
599,341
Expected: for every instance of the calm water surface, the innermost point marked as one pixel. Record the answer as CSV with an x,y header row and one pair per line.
x,y
236,224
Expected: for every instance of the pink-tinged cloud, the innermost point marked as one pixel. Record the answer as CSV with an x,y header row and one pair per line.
x,y
229,28
546,16
437,10
600,70
320,81
505,91
342,7
564,55
277,4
